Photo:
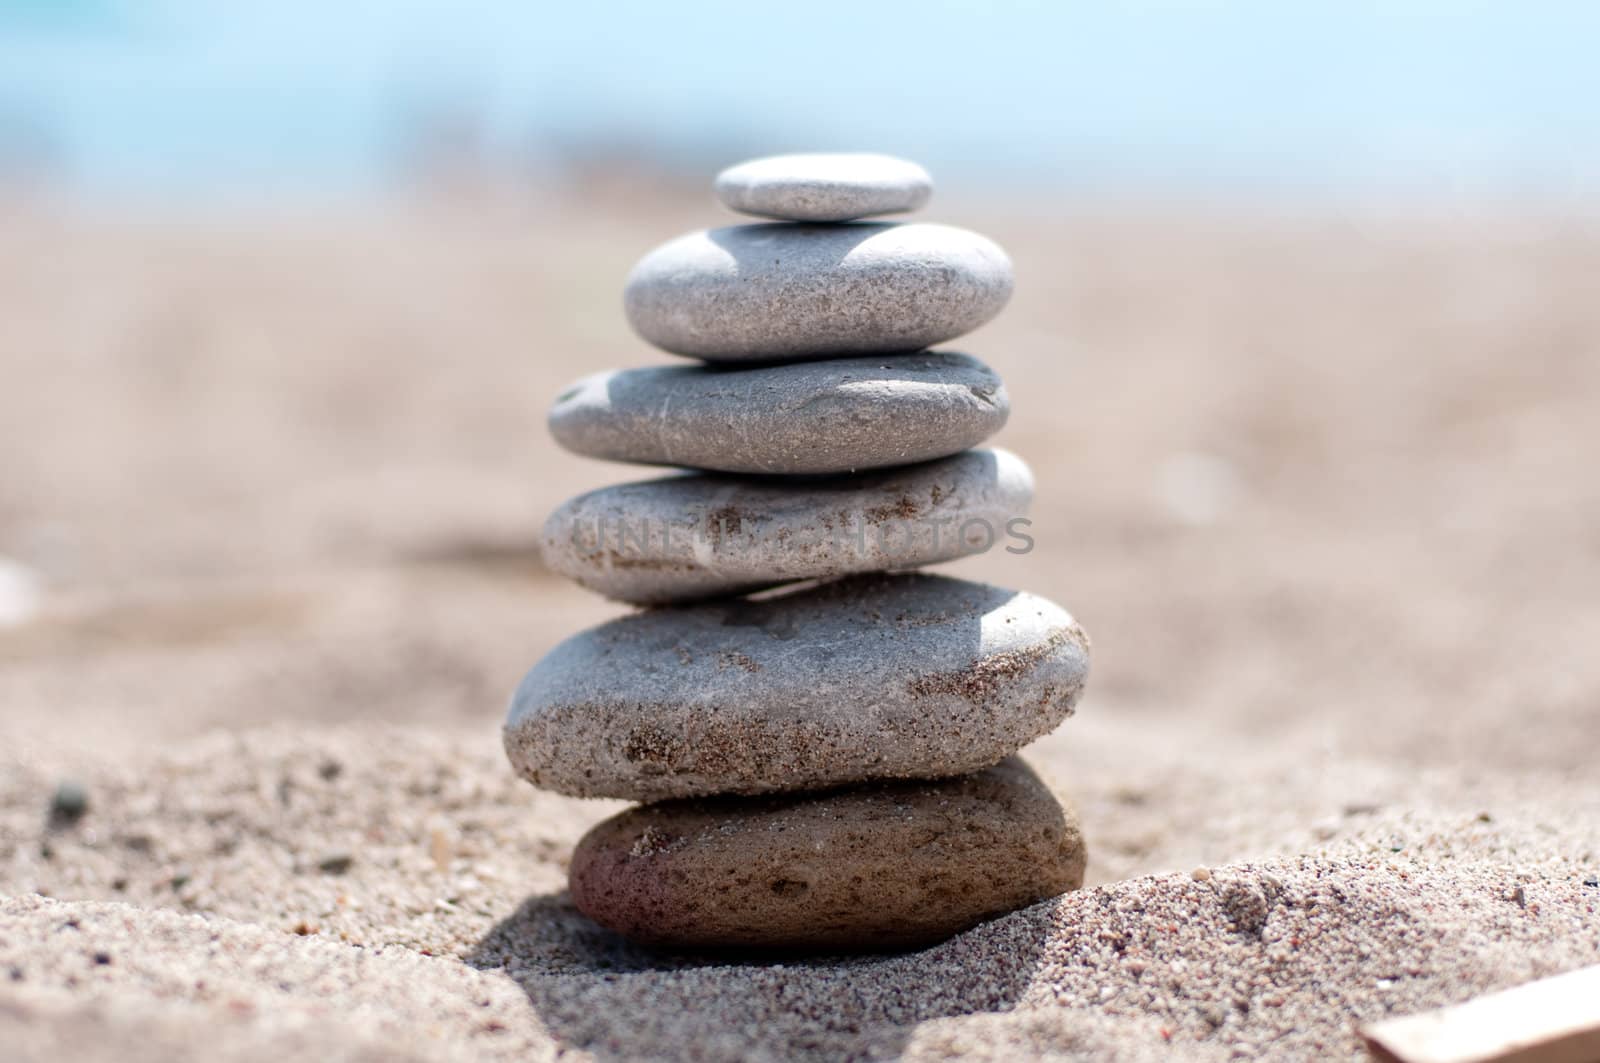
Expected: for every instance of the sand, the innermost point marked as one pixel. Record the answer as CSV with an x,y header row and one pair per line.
x,y
1318,484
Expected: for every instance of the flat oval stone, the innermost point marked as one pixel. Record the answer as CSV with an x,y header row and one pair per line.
x,y
824,187
699,535
775,292
805,417
883,676
885,866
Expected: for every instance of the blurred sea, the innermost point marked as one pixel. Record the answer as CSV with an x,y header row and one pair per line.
x,y
178,98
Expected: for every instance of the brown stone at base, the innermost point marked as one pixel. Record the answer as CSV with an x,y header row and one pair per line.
x,y
871,868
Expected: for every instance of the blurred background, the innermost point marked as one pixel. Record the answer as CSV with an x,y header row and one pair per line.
x,y
1303,349
179,98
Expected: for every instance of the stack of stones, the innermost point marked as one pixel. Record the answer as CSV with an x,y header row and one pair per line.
x,y
830,766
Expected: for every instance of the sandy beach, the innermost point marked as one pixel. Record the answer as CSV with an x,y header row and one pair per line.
x,y
1318,483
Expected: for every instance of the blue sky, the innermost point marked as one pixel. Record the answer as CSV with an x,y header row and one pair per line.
x,y
186,96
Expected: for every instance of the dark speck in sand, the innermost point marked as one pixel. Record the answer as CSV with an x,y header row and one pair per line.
x,y
335,863
68,805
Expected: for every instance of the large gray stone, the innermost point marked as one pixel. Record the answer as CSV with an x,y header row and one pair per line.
x,y
805,417
691,536
773,292
884,676
824,187
881,866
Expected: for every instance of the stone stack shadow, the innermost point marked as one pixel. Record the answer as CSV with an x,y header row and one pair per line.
x,y
821,739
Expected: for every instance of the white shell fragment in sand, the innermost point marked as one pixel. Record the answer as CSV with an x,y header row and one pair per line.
x,y
1554,1020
